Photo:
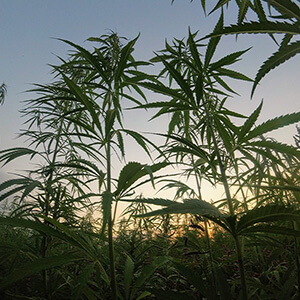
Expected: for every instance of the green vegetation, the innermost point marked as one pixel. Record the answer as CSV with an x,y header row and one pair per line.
x,y
61,238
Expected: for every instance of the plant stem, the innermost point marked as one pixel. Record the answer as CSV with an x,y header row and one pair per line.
x,y
113,282
296,241
241,267
220,163
197,175
210,253
229,202
46,238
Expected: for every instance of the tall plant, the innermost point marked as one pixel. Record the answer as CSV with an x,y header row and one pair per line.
x,y
109,67
53,188
201,125
84,107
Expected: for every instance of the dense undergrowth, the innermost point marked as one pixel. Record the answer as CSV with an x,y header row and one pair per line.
x,y
170,264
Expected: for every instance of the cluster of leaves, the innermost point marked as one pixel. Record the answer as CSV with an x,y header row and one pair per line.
x,y
271,17
149,263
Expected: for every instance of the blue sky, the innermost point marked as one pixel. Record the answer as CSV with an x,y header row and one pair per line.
x,y
28,29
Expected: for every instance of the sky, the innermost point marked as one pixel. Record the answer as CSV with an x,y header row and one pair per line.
x,y
29,31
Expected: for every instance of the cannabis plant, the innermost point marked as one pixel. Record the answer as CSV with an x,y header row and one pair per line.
x,y
202,134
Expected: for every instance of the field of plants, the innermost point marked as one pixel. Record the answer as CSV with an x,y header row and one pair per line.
x,y
61,236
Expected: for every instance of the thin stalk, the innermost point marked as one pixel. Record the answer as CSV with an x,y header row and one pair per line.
x,y
241,267
260,256
230,205
197,175
113,282
297,255
245,204
295,226
245,208
115,212
210,252
220,163
46,238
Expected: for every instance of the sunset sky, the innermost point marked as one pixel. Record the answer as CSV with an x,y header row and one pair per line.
x,y
28,30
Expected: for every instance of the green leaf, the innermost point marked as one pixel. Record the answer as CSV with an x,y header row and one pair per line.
x,y
83,280
11,192
228,112
188,146
170,104
162,89
124,58
191,206
227,60
213,42
30,187
3,91
220,4
132,172
179,80
292,188
258,7
175,121
288,282
79,93
143,295
193,276
243,8
276,146
203,3
11,182
257,27
37,266
148,270
84,165
8,155
142,141
222,283
64,233
224,135
120,142
285,41
82,242
128,175
82,124
268,213
232,74
90,294
266,153
270,228
194,51
181,150
128,276
273,124
283,54
199,89
90,58
245,128
288,9
35,225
